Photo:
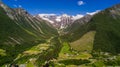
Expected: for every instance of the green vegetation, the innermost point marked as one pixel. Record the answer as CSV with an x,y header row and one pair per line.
x,y
2,52
100,36
33,42
65,48
20,41
107,28
107,33
74,62
85,43
98,64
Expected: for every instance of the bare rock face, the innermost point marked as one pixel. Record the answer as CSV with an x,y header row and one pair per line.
x,y
84,20
114,11
117,6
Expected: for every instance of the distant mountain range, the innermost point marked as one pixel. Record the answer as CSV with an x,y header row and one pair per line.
x,y
61,21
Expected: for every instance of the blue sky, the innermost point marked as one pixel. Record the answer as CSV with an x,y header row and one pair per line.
x,y
71,7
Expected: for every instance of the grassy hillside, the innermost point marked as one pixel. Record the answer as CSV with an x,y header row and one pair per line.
x,y
107,26
107,38
10,38
22,34
85,43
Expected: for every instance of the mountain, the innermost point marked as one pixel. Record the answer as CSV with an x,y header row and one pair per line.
x,y
105,24
20,31
59,21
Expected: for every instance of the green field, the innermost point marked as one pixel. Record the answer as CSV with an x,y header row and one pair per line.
x,y
85,43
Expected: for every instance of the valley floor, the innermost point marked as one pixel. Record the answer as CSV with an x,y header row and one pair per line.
x,y
56,53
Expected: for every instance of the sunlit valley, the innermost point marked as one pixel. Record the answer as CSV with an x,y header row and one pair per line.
x,y
49,40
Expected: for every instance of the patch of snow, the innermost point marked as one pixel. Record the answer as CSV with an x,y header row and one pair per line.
x,y
78,16
93,13
45,17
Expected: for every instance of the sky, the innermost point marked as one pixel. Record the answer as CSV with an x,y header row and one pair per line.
x,y
70,7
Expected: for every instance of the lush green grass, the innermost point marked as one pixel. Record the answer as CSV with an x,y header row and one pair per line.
x,y
70,57
65,48
85,43
64,51
2,52
67,52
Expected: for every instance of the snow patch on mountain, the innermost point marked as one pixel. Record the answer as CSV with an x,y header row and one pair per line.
x,y
93,13
58,18
78,16
60,21
46,17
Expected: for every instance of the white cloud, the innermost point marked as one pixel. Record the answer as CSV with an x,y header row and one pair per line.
x,y
78,16
20,6
93,13
81,3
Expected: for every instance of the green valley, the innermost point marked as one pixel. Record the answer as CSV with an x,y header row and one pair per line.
x,y
29,41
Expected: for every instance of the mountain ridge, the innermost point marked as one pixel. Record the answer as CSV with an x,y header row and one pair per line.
x,y
20,31
106,25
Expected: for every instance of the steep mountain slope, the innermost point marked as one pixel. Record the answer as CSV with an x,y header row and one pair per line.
x,y
19,31
77,29
106,24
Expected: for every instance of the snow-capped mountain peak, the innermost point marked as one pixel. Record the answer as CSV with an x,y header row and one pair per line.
x,y
60,21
